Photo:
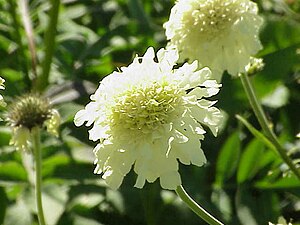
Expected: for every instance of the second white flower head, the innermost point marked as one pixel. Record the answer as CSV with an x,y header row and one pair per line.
x,y
221,34
148,116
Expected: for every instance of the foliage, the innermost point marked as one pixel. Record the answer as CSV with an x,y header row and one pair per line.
x,y
244,181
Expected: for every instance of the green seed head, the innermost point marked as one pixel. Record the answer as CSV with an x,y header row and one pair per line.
x,y
30,110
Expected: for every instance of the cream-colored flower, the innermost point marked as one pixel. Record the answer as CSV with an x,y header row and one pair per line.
x,y
53,123
281,221
2,103
254,66
220,34
21,138
28,112
148,116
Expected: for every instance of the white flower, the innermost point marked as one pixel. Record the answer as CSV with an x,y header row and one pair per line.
x,y
220,34
281,221
2,103
149,115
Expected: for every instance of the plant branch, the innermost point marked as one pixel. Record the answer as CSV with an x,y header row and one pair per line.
x,y
261,117
49,43
29,34
38,176
202,213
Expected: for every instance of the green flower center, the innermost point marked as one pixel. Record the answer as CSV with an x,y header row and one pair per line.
x,y
212,17
29,111
146,108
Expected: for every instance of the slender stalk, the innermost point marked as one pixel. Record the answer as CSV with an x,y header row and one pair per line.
x,y
38,177
29,33
261,117
49,42
202,213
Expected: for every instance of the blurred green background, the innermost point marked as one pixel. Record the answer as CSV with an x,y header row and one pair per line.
x,y
244,182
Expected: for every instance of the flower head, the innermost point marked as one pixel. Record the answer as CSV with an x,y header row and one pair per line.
x,y
221,34
148,116
2,103
255,65
281,221
28,112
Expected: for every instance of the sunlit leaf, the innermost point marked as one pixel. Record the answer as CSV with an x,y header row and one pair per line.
x,y
18,214
282,183
278,98
12,171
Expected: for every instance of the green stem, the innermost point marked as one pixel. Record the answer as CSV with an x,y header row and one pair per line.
x,y
202,213
38,177
29,34
261,117
49,42
150,209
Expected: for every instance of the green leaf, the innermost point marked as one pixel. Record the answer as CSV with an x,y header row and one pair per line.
x,y
5,135
55,197
18,214
275,73
228,158
12,171
277,98
79,220
60,166
80,151
52,163
137,11
282,183
249,161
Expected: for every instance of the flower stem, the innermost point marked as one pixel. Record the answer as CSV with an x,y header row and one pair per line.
x,y
29,34
261,117
38,177
49,42
202,213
